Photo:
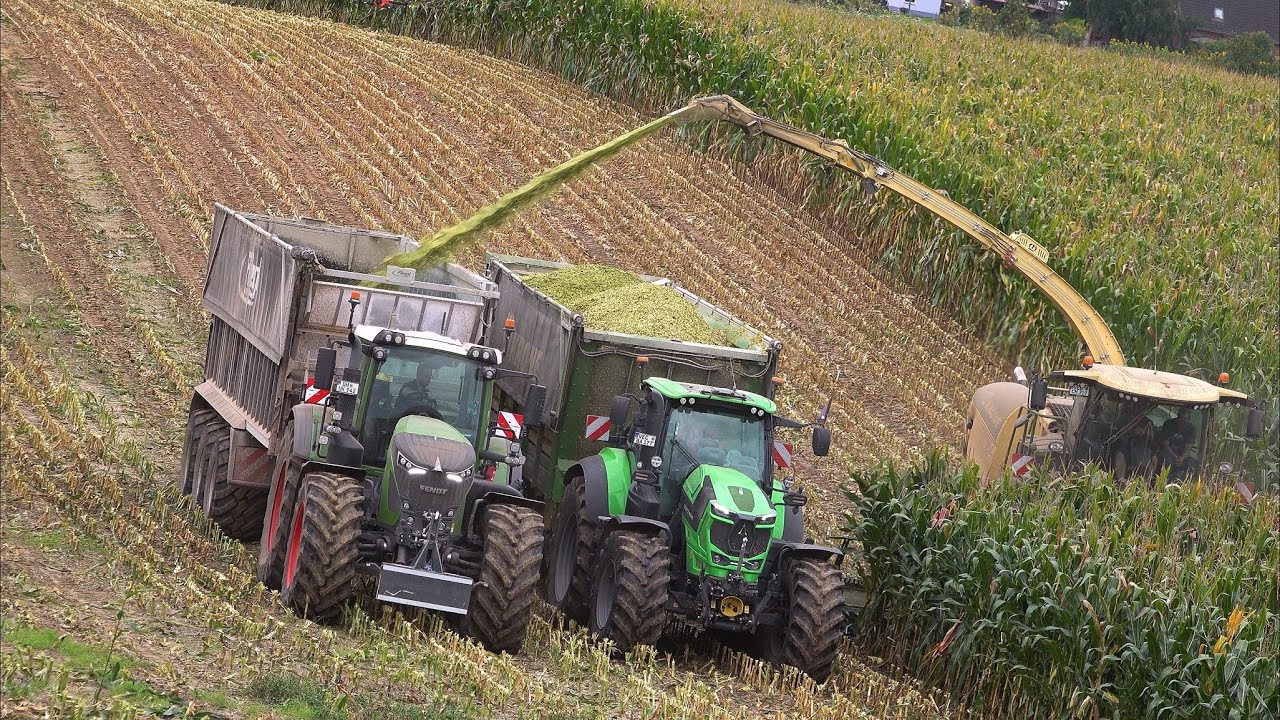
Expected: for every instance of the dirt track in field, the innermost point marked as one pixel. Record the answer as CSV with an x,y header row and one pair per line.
x,y
125,121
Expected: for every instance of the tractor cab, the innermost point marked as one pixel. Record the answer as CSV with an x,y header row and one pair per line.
x,y
1134,422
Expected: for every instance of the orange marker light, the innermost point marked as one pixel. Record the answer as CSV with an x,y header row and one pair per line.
x,y
1087,362
778,381
355,295
642,360
1224,378
509,323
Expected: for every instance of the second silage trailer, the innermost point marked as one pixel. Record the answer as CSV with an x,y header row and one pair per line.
x,y
655,458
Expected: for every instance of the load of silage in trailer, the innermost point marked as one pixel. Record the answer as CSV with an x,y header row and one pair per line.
x,y
615,300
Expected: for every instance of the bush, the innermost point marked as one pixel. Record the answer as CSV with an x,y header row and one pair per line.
x,y
1250,53
1069,32
1015,19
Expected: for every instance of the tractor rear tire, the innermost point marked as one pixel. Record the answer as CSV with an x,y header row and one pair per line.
x,y
629,592
320,560
274,540
573,545
236,509
815,617
502,602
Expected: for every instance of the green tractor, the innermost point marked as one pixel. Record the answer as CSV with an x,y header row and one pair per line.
x,y
681,517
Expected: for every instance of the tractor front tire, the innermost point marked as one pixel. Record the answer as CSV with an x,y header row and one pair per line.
x,y
320,559
815,617
629,592
573,544
281,499
502,602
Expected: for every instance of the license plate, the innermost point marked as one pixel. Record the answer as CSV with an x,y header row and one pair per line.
x,y
346,387
1078,390
646,440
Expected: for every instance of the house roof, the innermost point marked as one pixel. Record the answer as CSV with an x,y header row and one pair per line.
x,y
1238,16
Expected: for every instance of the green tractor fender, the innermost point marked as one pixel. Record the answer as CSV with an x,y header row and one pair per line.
x,y
607,477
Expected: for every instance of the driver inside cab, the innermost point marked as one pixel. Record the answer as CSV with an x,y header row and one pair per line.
x,y
417,390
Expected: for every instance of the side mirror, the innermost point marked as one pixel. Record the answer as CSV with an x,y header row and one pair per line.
x,y
326,366
535,401
1253,429
821,440
1039,394
618,412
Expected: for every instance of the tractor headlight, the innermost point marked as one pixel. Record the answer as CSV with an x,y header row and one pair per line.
x,y
1056,447
1225,468
454,477
719,559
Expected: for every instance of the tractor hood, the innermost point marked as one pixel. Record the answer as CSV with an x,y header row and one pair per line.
x,y
430,444
727,493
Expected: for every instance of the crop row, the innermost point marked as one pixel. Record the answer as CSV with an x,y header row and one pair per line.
x,y
1074,597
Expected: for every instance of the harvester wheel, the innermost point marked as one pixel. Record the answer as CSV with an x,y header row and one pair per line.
x,y
502,602
572,545
275,525
236,509
815,617
320,559
630,590
192,452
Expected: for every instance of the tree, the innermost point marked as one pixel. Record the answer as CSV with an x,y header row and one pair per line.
x,y
1155,22
1015,19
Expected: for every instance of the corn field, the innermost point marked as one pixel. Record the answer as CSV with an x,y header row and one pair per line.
x,y
1074,597
1155,186
125,121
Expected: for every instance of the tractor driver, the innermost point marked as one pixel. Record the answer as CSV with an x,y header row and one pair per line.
x,y
417,391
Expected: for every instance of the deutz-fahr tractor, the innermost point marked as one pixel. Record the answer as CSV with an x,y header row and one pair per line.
x,y
681,517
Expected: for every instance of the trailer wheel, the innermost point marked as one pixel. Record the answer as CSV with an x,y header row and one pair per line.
x,y
236,509
192,451
572,546
320,559
281,499
815,617
502,602
629,591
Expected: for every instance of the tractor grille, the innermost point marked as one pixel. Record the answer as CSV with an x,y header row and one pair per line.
x,y
728,537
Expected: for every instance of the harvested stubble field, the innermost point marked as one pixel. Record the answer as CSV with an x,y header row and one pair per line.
x,y
125,121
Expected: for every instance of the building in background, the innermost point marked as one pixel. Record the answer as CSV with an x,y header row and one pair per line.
x,y
922,8
1219,19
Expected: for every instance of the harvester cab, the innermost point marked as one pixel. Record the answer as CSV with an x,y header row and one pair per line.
x,y
689,521
1133,422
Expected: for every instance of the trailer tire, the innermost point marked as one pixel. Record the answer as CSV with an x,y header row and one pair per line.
x,y
193,450
629,591
237,510
502,602
274,539
572,546
815,617
320,560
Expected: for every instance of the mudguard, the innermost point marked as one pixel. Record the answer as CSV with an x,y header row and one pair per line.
x,y
484,493
792,523
631,523
781,550
596,480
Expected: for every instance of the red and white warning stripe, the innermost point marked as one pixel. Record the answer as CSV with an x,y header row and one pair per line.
x,y
510,425
313,395
782,453
597,427
1022,464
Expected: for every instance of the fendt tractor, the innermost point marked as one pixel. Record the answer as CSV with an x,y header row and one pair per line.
x,y
1132,421
346,420
658,457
